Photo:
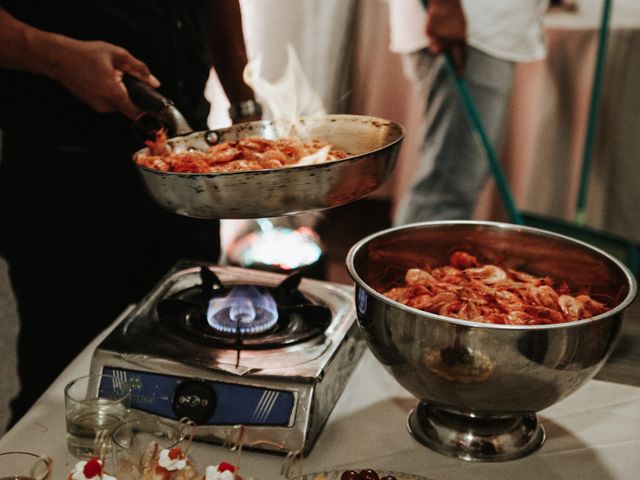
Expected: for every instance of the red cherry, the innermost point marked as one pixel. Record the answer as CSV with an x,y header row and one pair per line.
x,y
225,466
175,453
368,474
350,475
92,468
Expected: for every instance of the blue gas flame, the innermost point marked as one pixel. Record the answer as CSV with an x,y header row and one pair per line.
x,y
245,308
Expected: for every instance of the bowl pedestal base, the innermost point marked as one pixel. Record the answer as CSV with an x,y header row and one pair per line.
x,y
473,437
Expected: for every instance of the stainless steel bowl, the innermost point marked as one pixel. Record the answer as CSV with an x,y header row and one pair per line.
x,y
480,384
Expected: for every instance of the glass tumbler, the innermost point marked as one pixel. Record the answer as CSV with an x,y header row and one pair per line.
x,y
93,403
136,442
24,466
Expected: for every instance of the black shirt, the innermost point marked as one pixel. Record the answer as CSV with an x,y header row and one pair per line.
x,y
167,35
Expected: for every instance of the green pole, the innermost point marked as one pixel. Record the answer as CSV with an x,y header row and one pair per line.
x,y
593,114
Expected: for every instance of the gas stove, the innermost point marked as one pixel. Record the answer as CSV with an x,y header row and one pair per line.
x,y
227,346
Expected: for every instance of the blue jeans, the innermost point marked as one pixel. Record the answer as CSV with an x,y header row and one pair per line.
x,y
453,168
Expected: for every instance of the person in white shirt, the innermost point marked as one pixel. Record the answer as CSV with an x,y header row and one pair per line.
x,y
485,39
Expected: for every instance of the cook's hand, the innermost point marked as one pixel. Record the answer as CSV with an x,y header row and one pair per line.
x,y
446,30
93,72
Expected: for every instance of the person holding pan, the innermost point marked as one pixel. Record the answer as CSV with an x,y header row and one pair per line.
x,y
81,237
484,38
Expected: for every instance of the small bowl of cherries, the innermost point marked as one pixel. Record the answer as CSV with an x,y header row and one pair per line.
x,y
363,474
366,474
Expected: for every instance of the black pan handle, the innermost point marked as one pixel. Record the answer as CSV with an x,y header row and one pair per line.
x,y
144,96
162,111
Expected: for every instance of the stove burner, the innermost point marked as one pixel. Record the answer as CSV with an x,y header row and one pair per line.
x,y
216,315
244,309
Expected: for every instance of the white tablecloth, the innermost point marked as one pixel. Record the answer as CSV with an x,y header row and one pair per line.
x,y
593,434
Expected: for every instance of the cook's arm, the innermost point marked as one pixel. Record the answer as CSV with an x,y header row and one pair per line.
x,y
446,30
91,71
229,57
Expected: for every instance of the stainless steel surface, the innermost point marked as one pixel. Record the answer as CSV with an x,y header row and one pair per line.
x,y
622,365
315,371
454,434
374,142
511,371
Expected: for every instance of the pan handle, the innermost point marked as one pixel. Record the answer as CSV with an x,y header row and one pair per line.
x,y
144,96
162,110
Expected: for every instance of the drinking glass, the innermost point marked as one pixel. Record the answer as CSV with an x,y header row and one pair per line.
x,y
24,466
136,442
93,403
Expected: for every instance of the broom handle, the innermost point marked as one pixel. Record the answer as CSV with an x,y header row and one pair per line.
x,y
593,114
478,128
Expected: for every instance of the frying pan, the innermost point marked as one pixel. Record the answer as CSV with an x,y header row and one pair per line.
x,y
373,143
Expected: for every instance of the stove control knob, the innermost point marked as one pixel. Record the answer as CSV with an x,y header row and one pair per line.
x,y
195,400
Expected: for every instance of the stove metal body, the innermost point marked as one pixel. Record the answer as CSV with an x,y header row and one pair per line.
x,y
282,395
